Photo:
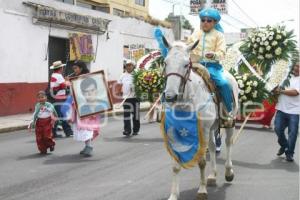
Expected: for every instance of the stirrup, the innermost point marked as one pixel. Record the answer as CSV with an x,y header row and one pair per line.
x,y
228,121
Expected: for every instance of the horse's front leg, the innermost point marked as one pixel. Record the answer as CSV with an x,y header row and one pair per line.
x,y
202,192
212,177
175,182
229,174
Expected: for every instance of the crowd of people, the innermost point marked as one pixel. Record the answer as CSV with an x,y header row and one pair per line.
x,y
212,49
47,116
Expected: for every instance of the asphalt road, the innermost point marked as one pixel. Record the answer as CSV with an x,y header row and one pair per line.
x,y
138,168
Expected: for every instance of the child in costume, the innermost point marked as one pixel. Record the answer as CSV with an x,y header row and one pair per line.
x,y
43,118
211,50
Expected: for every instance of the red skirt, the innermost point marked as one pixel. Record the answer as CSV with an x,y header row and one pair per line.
x,y
43,132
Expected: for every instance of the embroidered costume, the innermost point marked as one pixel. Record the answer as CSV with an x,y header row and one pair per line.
x,y
42,121
213,42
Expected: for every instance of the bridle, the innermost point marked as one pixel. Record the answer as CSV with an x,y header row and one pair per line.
x,y
184,78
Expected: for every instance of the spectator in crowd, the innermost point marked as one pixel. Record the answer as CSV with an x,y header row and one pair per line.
x,y
58,87
131,104
287,116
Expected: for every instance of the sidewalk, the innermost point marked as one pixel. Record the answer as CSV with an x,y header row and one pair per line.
x,y
21,121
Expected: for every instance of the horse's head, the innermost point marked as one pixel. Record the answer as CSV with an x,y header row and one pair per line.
x,y
177,69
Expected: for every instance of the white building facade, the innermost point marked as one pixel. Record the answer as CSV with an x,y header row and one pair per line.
x,y
29,46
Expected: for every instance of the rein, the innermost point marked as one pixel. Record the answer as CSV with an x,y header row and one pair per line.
x,y
184,78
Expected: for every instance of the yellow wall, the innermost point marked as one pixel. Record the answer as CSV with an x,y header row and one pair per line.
x,y
127,6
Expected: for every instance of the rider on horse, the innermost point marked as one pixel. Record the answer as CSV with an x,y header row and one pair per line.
x,y
211,50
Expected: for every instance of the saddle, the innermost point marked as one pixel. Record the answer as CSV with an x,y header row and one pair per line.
x,y
226,121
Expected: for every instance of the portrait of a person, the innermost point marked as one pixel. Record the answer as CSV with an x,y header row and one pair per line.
x,y
93,102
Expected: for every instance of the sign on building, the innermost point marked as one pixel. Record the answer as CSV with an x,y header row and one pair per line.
x,y
136,51
69,19
81,47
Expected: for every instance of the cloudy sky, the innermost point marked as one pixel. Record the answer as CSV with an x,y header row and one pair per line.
x,y
261,12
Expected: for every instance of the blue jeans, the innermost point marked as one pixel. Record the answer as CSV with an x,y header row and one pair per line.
x,y
290,121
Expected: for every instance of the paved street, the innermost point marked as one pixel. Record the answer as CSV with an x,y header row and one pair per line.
x,y
138,168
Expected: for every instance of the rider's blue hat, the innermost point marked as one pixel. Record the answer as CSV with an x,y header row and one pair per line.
x,y
214,14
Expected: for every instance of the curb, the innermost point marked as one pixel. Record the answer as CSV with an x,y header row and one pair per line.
x,y
23,127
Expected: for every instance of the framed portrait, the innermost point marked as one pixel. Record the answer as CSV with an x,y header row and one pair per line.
x,y
91,94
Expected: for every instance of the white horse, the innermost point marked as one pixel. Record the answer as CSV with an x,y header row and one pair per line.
x,y
185,86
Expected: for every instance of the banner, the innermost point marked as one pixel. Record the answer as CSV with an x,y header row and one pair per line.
x,y
220,5
196,6
183,136
81,47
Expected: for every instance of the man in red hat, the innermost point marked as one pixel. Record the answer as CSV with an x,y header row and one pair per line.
x,y
58,88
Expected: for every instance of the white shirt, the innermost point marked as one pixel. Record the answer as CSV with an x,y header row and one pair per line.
x,y
44,112
290,104
126,80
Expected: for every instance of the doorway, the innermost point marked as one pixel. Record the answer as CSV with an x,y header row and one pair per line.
x,y
59,50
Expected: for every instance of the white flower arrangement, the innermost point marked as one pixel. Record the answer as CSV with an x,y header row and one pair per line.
x,y
253,89
231,57
278,51
255,84
260,57
266,43
261,50
274,43
278,37
269,56
248,90
278,73
249,83
254,94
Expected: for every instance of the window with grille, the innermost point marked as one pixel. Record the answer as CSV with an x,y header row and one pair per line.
x,y
140,2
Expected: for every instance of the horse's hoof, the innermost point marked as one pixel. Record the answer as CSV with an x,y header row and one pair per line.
x,y
229,175
229,178
202,196
212,182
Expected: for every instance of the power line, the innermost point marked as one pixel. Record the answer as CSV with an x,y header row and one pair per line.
x,y
229,24
245,13
241,22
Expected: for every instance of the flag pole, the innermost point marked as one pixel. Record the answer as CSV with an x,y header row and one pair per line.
x,y
153,106
236,137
